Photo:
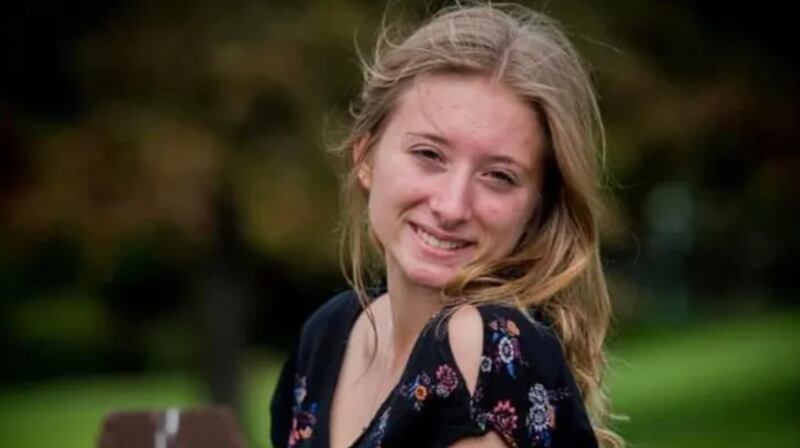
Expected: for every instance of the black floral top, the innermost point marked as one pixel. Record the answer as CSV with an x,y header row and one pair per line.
x,y
524,391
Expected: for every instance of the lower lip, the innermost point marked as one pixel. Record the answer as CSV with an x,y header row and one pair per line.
x,y
440,252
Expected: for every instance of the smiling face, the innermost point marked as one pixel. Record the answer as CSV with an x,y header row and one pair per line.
x,y
455,176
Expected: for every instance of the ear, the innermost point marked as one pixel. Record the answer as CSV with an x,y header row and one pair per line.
x,y
362,162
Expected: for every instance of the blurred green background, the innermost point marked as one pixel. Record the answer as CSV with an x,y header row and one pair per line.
x,y
168,212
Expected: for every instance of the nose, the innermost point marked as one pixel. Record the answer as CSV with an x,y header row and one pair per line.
x,y
452,203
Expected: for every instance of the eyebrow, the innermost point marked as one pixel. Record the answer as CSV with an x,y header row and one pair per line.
x,y
441,140
436,138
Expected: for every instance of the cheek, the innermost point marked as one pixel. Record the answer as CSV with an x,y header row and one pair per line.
x,y
390,198
396,193
507,220
398,184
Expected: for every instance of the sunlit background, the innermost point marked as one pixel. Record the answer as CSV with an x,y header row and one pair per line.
x,y
168,209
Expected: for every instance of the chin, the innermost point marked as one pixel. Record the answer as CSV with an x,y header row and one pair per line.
x,y
432,278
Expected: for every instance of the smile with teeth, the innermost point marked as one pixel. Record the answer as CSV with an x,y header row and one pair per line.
x,y
439,243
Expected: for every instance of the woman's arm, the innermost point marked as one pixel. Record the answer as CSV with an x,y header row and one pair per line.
x,y
488,440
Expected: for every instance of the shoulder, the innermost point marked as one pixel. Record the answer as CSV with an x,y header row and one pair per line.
x,y
516,337
335,307
327,318
465,336
520,383
496,335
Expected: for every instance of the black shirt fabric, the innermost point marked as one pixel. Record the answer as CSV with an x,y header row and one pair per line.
x,y
524,391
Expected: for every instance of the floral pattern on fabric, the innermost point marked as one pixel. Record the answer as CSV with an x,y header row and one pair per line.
x,y
446,380
304,417
504,353
417,390
513,415
375,437
504,417
443,383
541,420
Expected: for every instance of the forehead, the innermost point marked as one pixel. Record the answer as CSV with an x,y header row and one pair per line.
x,y
472,112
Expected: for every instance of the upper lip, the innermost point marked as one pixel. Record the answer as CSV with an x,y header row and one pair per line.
x,y
443,236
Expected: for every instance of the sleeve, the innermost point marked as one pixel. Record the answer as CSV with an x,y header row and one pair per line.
x,y
292,414
282,403
525,391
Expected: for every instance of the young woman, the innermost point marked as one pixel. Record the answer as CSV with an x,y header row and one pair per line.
x,y
471,196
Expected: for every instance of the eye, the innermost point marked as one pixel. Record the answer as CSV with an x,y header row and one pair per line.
x,y
503,177
427,154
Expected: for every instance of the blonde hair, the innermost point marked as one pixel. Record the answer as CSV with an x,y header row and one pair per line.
x,y
556,265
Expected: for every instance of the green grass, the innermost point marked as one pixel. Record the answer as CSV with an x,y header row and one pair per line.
x,y
720,384
68,413
733,383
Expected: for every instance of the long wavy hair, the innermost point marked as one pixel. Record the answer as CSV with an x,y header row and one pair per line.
x,y
555,267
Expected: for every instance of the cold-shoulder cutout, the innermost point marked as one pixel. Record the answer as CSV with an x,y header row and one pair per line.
x,y
465,336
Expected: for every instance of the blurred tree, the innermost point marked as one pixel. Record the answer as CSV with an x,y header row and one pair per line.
x,y
178,147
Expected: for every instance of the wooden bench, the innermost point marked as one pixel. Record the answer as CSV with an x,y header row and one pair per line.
x,y
212,427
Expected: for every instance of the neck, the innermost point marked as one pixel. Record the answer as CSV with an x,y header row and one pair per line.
x,y
410,306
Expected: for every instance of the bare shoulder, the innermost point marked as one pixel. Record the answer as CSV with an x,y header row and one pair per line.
x,y
465,334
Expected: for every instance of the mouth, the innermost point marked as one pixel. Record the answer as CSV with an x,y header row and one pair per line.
x,y
439,242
